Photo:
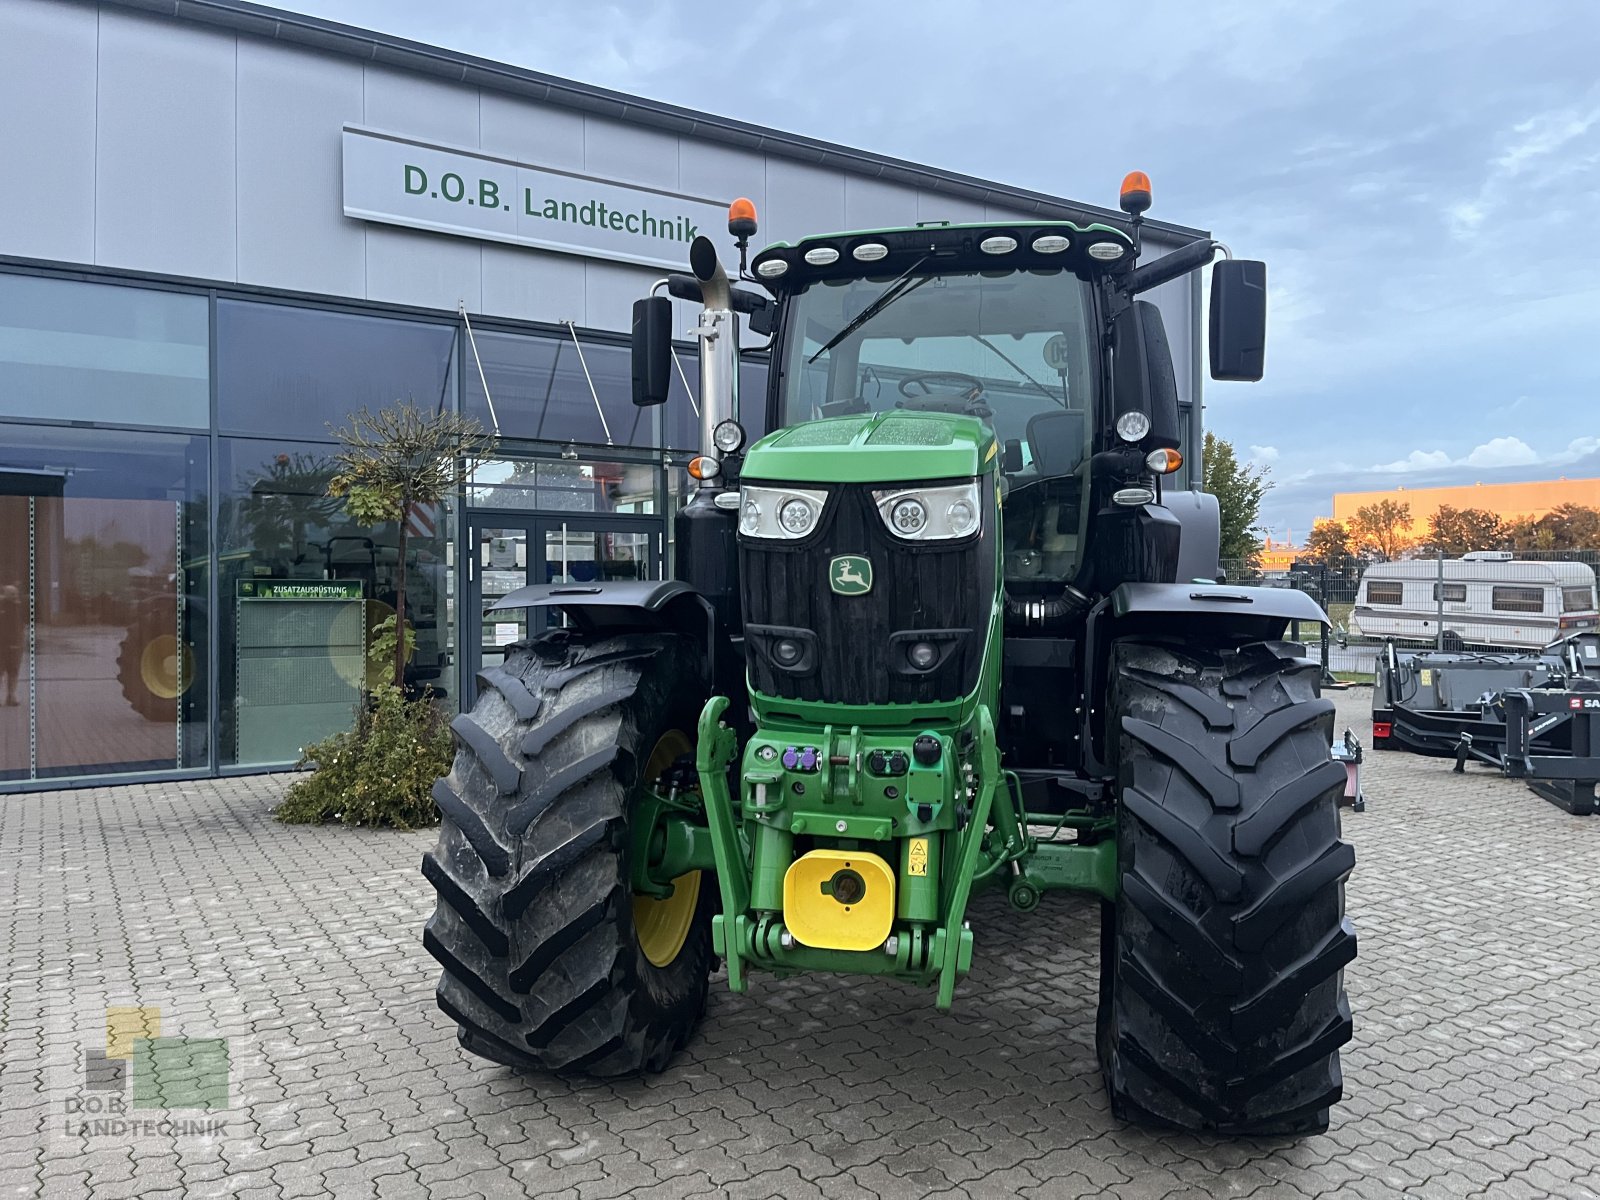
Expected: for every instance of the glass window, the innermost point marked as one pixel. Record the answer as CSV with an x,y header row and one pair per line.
x,y
1453,593
566,485
1011,347
1388,592
301,587
95,352
539,388
288,372
1577,599
1518,599
104,582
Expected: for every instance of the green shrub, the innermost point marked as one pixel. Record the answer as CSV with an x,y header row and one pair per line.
x,y
379,773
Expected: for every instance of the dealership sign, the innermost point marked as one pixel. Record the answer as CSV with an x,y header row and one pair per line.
x,y
448,190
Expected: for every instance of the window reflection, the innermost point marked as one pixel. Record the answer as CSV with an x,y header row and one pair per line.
x,y
103,596
90,351
292,663
288,371
566,485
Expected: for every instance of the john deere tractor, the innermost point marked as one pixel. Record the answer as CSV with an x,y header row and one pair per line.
x,y
950,626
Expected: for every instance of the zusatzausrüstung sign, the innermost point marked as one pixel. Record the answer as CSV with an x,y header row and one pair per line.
x,y
448,190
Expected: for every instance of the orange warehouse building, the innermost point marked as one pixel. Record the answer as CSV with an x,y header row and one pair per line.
x,y
1507,500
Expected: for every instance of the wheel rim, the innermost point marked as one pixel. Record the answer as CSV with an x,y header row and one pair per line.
x,y
164,667
662,926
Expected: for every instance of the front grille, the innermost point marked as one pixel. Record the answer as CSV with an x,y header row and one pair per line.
x,y
852,653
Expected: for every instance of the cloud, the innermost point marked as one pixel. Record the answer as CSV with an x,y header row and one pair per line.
x,y
1264,455
1496,452
1502,452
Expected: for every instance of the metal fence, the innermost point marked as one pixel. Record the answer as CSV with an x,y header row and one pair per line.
x,y
1480,601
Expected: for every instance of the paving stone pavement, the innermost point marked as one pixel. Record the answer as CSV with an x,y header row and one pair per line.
x,y
1475,1068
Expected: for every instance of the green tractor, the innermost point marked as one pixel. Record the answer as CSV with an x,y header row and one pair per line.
x,y
952,625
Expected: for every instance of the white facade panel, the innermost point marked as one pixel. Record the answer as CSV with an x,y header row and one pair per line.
x,y
532,285
165,198
611,288
47,130
291,231
419,107
874,204
527,132
629,154
713,170
428,270
802,200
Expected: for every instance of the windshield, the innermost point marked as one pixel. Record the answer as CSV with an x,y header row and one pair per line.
x,y
1013,348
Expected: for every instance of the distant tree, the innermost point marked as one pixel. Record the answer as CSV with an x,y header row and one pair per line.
x,y
1526,533
1329,544
1239,489
1573,527
1456,531
1384,528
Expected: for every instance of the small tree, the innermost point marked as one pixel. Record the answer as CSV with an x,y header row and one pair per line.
x,y
1384,528
1238,489
394,460
1455,531
1329,544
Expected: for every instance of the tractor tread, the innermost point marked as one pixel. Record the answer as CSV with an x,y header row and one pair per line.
x,y
558,784
505,773
542,735
464,905
1220,787
1285,898
533,924
547,870
524,701
1246,749
1260,828
1222,999
496,859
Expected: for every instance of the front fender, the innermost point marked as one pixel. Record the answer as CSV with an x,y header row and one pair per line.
x,y
1227,601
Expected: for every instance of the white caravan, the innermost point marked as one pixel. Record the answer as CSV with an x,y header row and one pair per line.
x,y
1490,599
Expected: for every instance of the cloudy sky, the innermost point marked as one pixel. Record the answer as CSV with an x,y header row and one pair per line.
x,y
1422,177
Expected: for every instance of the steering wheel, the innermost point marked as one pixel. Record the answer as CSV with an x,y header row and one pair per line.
x,y
969,402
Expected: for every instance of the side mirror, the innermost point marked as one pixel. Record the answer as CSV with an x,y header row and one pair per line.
x,y
1011,456
1142,379
652,350
1238,320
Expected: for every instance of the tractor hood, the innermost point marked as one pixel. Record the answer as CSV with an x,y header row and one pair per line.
x,y
886,447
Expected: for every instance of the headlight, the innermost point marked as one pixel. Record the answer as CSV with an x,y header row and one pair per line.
x,y
728,436
1132,426
787,513
930,513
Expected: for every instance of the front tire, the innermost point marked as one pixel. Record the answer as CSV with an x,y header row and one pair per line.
x,y
549,959
1222,981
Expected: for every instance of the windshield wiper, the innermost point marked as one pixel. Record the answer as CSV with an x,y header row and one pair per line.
x,y
983,341
900,287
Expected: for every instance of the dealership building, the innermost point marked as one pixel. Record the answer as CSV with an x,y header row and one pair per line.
x,y
227,228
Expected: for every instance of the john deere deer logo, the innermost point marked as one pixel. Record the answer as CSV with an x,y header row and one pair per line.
x,y
850,575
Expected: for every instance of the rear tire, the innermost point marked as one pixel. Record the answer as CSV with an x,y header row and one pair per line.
x,y
1222,984
535,921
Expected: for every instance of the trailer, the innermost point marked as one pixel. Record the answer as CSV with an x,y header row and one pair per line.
x,y
1484,599
1536,717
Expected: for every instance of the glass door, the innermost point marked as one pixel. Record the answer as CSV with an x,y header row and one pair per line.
x,y
506,552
